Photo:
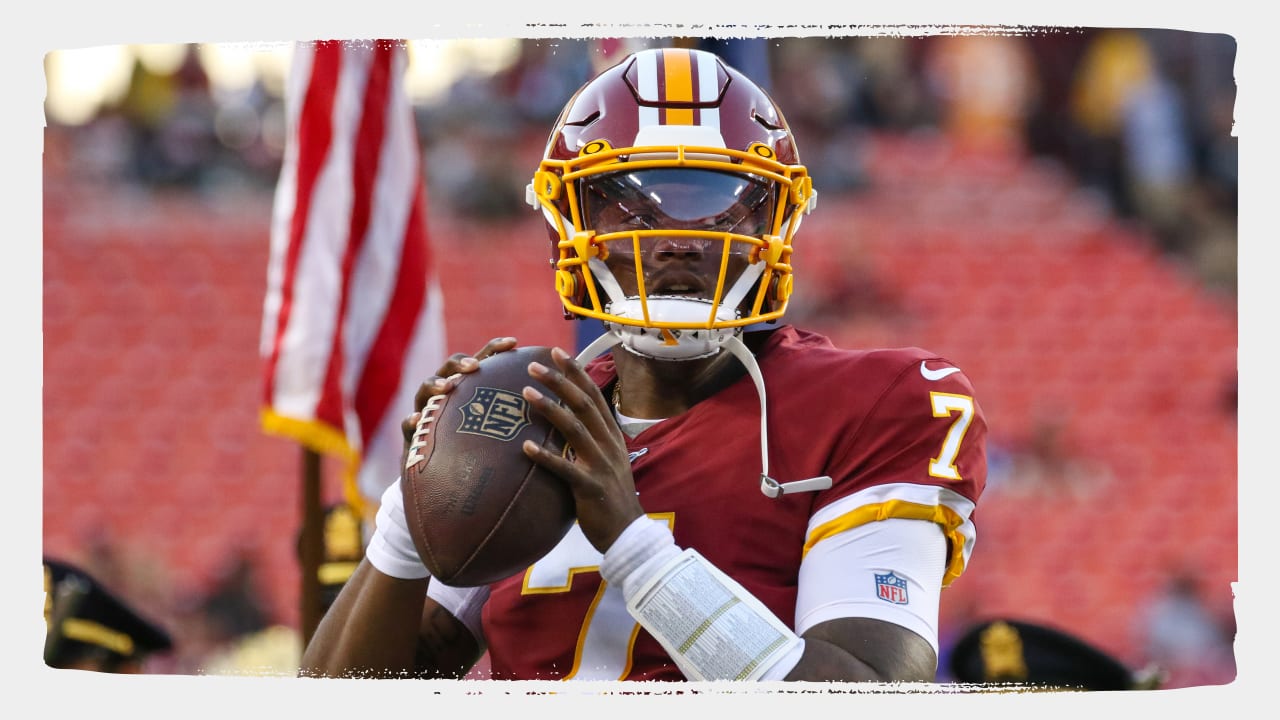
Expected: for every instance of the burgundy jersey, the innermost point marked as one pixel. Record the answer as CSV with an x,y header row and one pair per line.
x,y
899,432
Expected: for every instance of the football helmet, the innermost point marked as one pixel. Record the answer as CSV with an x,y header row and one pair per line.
x,y
672,189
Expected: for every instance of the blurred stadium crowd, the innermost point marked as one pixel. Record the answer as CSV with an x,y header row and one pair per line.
x,y
1075,188
1143,117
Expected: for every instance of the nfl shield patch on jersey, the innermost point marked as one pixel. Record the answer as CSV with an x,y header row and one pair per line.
x,y
891,588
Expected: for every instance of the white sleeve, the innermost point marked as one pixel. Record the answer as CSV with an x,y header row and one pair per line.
x,y
890,570
464,603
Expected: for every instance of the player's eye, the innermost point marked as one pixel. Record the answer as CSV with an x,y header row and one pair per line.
x,y
741,221
636,221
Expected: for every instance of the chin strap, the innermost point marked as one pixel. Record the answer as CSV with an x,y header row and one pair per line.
x,y
605,342
770,487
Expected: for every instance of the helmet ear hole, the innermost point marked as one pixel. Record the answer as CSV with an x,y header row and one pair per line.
x,y
571,285
783,290
778,293
771,297
547,185
565,283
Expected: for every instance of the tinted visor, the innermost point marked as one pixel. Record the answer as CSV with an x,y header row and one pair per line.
x,y
678,199
701,204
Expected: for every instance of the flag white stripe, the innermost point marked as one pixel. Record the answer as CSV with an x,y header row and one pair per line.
x,y
382,458
283,202
378,263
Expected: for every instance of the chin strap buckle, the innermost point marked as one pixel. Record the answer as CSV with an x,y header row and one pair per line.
x,y
772,488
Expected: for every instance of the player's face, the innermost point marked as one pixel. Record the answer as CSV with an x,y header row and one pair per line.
x,y
680,263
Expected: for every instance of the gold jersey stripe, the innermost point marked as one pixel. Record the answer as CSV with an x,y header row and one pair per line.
x,y
948,519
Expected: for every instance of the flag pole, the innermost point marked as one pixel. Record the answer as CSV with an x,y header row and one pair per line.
x,y
311,543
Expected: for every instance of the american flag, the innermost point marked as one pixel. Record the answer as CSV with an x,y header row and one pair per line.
x,y
353,314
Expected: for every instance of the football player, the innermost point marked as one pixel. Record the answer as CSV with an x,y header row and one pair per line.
x,y
753,503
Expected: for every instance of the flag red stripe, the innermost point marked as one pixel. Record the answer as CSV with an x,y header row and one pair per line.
x,y
384,369
364,175
315,133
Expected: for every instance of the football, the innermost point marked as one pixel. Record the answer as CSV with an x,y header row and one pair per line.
x,y
479,510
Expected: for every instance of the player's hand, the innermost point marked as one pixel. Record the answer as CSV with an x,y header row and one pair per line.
x,y
599,473
445,379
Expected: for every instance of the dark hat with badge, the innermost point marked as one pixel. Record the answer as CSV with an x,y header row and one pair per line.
x,y
1036,656
91,628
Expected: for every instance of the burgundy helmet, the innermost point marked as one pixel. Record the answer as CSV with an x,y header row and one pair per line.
x,y
672,189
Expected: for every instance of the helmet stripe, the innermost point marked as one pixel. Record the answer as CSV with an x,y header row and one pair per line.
x,y
708,89
678,79
647,80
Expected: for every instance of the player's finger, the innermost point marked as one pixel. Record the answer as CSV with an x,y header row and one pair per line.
x,y
579,409
570,425
435,385
587,433
576,374
464,363
409,425
554,462
495,346
457,363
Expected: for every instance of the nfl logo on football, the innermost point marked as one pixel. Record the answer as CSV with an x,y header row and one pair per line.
x,y
891,588
494,413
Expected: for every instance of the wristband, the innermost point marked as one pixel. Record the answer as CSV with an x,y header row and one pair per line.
x,y
710,625
637,553
391,548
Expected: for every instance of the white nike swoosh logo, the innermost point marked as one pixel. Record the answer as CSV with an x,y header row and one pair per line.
x,y
936,374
